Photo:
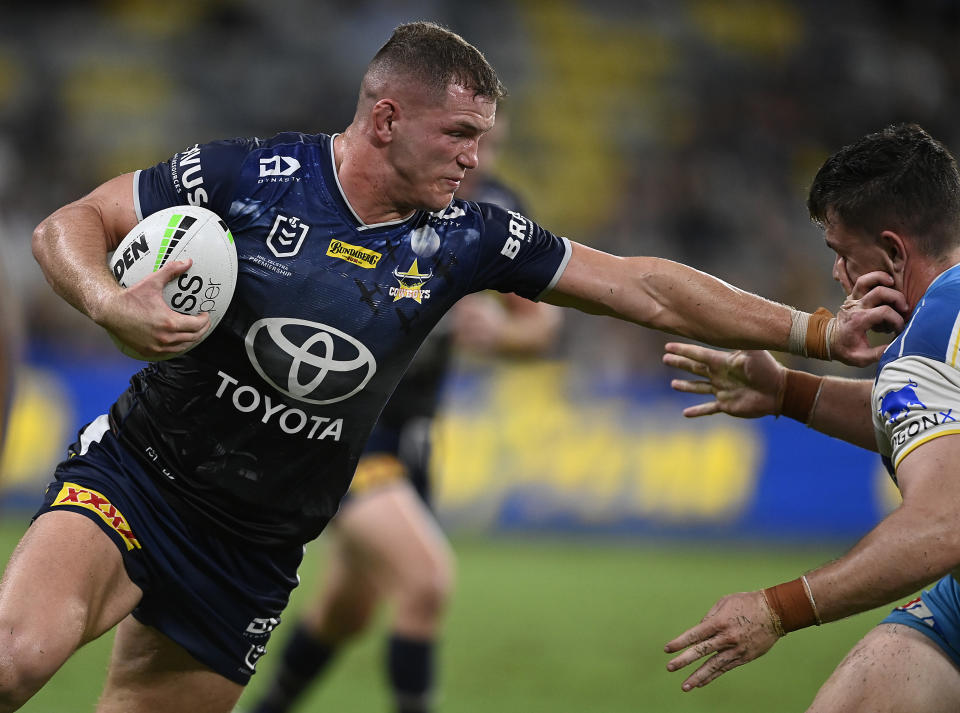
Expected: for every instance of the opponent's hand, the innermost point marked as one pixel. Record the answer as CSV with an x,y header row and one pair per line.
x,y
738,629
873,305
747,384
139,318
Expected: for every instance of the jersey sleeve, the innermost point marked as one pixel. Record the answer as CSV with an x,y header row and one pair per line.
x,y
203,175
517,255
915,400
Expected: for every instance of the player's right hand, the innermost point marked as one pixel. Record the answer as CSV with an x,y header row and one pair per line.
x,y
746,384
139,318
738,629
872,305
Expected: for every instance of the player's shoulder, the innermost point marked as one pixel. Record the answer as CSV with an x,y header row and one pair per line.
x,y
289,142
933,330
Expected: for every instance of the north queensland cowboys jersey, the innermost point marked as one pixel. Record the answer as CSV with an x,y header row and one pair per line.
x,y
258,429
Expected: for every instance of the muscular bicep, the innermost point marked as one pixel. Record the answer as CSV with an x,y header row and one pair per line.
x,y
600,283
929,476
114,202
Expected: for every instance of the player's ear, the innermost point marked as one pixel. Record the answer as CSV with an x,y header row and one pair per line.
x,y
382,116
895,250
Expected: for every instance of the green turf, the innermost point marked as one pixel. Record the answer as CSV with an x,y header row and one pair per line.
x,y
554,624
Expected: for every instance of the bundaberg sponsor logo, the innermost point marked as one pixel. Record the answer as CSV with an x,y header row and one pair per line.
x,y
353,253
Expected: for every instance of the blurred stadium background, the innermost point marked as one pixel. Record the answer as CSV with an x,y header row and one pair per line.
x,y
591,521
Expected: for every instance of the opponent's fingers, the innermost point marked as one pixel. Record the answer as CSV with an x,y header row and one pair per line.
x,y
681,362
884,296
707,409
868,281
694,352
691,387
704,648
712,668
884,319
692,636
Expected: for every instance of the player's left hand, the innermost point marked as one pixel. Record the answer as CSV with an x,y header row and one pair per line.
x,y
872,305
738,629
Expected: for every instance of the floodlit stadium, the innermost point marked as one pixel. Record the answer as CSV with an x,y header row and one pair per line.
x,y
590,522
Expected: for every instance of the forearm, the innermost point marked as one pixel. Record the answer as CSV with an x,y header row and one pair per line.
x,y
674,298
837,407
910,549
71,249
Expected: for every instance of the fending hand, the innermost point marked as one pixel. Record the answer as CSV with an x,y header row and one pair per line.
x,y
746,384
738,629
872,305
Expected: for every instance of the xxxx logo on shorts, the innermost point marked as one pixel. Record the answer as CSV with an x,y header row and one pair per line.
x,y
73,494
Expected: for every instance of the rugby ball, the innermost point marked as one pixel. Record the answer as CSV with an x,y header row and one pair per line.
x,y
179,233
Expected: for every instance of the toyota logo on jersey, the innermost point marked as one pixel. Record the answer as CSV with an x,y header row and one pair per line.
x,y
309,361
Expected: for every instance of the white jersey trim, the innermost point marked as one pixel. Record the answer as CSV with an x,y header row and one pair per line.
x,y
93,432
336,178
136,195
567,253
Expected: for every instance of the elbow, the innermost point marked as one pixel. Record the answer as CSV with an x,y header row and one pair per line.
x,y
40,242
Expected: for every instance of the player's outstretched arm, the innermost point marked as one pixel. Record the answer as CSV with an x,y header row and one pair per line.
x,y
678,299
751,384
71,246
913,546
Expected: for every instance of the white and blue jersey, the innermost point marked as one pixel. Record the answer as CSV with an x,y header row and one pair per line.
x,y
916,398
259,428
916,394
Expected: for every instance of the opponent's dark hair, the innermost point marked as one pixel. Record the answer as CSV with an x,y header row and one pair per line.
x,y
899,178
436,57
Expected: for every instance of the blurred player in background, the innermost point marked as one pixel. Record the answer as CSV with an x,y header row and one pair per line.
x,y
180,516
891,203
9,356
384,543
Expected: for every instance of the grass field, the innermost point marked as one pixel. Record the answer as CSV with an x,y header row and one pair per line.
x,y
557,625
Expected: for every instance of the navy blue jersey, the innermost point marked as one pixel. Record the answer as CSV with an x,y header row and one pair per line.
x,y
418,393
258,429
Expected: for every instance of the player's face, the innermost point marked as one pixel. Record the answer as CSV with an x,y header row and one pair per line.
x,y
857,253
437,145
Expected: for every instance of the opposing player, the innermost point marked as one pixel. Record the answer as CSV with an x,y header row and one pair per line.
x,y
181,515
384,543
889,203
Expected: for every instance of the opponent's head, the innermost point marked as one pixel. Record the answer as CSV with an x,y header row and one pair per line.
x,y
425,100
889,201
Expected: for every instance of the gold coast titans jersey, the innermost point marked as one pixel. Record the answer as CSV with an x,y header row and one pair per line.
x,y
916,396
258,429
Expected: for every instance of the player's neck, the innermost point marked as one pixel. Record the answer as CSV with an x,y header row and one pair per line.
x,y
364,187
921,274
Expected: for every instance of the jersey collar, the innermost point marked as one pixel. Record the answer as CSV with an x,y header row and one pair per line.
x,y
345,203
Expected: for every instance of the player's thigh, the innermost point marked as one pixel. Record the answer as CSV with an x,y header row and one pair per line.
x,y
64,585
346,598
391,533
893,669
149,673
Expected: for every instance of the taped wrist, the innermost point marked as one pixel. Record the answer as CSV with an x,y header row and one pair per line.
x,y
791,605
800,394
810,333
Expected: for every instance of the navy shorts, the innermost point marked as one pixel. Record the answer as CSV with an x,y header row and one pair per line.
x,y
394,454
936,615
217,598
